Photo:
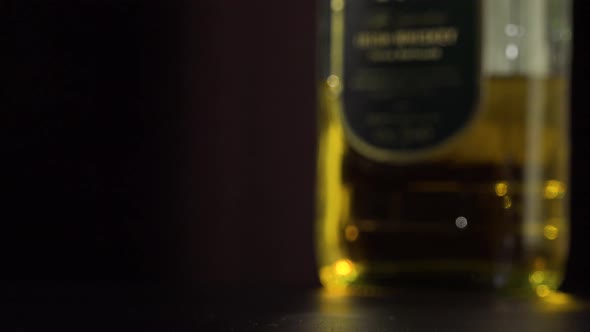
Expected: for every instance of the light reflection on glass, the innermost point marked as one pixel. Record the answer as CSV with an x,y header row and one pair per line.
x,y
461,222
343,267
537,277
512,30
501,189
543,291
333,81
507,202
512,51
339,275
351,232
554,189
551,232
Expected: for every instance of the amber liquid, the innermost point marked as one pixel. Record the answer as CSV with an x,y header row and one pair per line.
x,y
488,211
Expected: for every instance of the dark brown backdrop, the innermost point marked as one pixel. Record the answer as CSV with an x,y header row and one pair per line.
x,y
163,141
251,105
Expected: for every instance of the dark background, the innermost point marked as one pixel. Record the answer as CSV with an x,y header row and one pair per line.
x,y
171,142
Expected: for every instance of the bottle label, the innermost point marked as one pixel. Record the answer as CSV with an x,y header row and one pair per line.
x,y
411,70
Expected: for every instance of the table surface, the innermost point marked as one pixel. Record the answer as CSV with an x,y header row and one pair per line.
x,y
85,308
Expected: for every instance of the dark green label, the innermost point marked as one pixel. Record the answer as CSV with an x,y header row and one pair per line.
x,y
411,69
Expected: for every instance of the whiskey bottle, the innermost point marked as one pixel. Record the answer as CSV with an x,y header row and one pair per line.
x,y
443,152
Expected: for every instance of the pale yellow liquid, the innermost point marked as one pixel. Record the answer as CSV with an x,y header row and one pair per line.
x,y
395,224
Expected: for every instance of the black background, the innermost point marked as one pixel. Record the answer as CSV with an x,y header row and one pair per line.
x,y
173,142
